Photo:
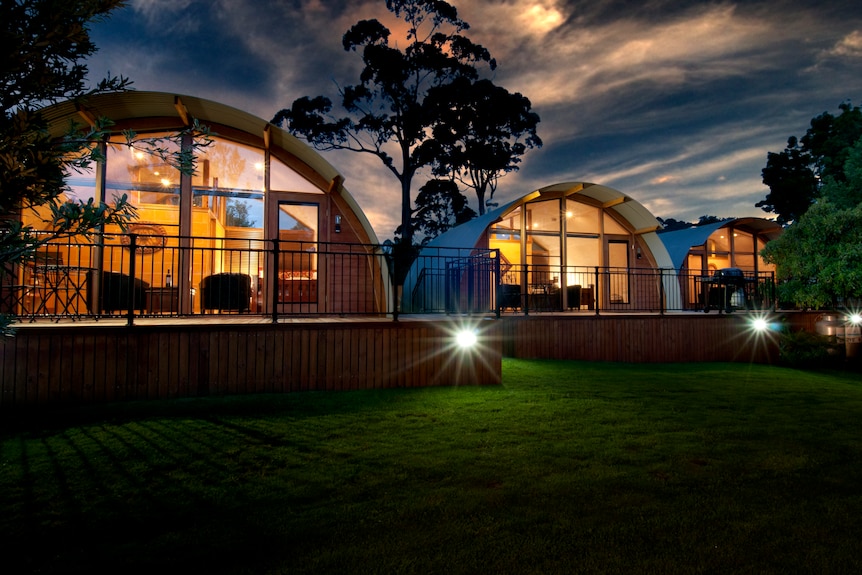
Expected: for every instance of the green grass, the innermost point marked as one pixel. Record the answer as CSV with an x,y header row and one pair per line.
x,y
567,467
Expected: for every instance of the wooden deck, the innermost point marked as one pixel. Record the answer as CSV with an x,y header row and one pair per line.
x,y
92,362
638,338
98,362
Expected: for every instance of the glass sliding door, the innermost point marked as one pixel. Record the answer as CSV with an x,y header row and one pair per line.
x,y
298,233
618,272
544,253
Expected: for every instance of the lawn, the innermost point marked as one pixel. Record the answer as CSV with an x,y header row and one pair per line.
x,y
568,467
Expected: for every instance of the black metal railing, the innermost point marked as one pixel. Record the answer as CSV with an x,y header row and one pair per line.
x,y
610,289
133,276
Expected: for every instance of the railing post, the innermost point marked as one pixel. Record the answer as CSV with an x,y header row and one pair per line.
x,y
526,289
396,287
596,291
772,291
661,302
130,295
273,292
497,280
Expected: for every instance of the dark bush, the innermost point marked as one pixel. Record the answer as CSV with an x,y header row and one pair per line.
x,y
806,350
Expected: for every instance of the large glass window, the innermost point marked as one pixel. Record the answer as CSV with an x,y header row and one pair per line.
x,y
583,248
743,242
505,236
229,188
153,187
82,185
612,226
581,218
543,216
718,250
583,254
150,183
282,178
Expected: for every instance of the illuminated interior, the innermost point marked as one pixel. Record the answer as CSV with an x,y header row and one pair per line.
x,y
532,236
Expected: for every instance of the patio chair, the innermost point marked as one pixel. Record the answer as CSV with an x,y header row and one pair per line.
x,y
573,297
115,290
226,292
509,296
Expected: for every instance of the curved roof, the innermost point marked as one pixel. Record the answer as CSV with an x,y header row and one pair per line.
x,y
638,217
679,242
156,111
631,211
468,234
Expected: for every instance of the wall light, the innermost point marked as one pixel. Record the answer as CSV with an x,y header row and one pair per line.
x,y
337,224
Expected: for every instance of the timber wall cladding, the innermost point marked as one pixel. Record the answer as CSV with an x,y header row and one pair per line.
x,y
638,339
83,364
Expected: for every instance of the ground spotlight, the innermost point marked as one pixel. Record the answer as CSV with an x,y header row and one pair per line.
x,y
466,338
762,323
855,318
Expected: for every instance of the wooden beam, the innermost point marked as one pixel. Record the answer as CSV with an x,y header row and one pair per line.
x,y
335,185
615,202
86,114
267,136
182,110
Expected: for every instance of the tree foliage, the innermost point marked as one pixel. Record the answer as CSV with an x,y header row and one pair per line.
x,y
389,113
791,181
440,206
794,175
482,131
45,44
819,256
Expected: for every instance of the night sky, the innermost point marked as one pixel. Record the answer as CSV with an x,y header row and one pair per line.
x,y
674,103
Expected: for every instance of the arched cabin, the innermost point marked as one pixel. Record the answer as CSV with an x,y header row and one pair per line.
x,y
205,242
568,246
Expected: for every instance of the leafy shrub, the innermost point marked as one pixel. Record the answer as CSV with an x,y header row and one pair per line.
x,y
803,349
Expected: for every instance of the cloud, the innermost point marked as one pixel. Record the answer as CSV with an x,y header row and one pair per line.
x,y
541,18
614,57
167,16
850,46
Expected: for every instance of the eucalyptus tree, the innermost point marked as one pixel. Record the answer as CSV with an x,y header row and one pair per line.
x,y
385,112
440,206
480,135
